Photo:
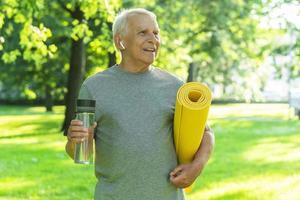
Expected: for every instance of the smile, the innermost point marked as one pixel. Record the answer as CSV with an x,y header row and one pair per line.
x,y
149,49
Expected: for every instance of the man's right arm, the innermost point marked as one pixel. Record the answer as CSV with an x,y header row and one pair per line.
x,y
76,132
70,146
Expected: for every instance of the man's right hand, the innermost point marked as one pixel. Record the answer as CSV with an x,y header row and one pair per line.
x,y
76,131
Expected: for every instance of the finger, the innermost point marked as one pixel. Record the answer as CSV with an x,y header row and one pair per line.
x,y
176,171
180,181
179,175
78,129
95,124
77,140
174,182
78,135
177,181
72,134
76,122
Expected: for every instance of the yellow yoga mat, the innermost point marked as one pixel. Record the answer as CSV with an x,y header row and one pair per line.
x,y
191,112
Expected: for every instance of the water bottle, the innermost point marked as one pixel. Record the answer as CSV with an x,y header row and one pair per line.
x,y
85,112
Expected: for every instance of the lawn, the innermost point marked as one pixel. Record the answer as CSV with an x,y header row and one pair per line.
x,y
256,156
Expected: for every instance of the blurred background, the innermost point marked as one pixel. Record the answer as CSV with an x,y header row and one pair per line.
x,y
247,52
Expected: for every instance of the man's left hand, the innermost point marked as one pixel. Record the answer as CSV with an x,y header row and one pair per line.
x,y
184,175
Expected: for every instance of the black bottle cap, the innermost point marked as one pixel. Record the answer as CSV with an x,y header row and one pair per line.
x,y
85,105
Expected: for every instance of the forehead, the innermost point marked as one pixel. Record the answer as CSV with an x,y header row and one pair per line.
x,y
142,21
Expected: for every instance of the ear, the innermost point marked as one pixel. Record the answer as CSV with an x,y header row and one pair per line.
x,y
122,45
118,42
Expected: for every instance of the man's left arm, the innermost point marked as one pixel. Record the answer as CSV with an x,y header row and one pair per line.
x,y
185,174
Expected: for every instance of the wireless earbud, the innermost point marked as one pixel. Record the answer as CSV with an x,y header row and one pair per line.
x,y
122,45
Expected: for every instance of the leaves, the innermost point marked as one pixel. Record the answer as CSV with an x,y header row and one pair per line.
x,y
223,39
10,57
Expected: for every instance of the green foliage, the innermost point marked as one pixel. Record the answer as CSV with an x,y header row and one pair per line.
x,y
9,57
223,39
39,39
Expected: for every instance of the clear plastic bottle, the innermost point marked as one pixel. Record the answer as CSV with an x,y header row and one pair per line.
x,y
85,112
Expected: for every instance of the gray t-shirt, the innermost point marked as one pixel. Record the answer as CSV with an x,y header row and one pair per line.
x,y
134,137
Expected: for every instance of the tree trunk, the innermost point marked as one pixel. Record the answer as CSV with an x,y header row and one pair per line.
x,y
111,56
111,59
77,68
48,98
191,70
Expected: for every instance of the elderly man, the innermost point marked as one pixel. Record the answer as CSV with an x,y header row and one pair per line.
x,y
135,156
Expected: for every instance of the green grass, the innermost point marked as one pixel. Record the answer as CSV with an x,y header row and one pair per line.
x,y
33,164
256,156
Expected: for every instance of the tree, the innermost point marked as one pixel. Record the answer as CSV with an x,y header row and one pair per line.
x,y
220,40
48,40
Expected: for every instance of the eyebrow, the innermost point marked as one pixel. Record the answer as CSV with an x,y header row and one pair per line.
x,y
140,29
143,29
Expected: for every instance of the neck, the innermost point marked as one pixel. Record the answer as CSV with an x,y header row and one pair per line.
x,y
133,67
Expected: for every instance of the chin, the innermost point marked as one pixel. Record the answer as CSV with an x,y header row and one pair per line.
x,y
147,61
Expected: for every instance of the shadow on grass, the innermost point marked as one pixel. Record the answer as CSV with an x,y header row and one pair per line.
x,y
28,110
236,139
30,134
28,126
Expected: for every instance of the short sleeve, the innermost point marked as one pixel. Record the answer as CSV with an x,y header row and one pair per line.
x,y
84,93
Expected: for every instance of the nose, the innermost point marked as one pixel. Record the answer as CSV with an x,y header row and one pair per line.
x,y
153,38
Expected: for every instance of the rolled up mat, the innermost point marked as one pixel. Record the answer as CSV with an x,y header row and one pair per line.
x,y
191,112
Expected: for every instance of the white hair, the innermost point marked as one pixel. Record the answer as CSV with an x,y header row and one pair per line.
x,y
121,20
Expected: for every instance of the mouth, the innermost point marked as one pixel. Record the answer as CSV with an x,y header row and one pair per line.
x,y
150,49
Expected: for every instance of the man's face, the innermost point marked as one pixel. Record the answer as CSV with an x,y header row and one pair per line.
x,y
141,39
